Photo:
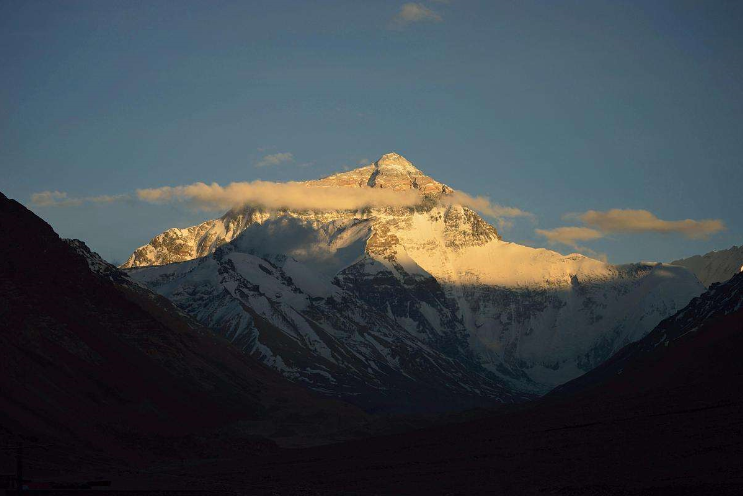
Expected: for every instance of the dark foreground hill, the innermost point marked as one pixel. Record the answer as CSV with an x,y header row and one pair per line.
x,y
662,416
90,361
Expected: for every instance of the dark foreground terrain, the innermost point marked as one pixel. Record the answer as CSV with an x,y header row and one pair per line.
x,y
663,416
104,384
657,419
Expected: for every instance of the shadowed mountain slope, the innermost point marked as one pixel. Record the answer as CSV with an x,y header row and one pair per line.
x,y
696,349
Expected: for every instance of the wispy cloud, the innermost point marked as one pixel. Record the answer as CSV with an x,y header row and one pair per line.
x,y
599,224
61,199
294,196
299,196
106,199
291,195
413,12
275,159
642,221
53,198
484,206
570,235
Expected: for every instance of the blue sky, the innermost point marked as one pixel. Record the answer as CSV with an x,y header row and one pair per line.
x,y
551,107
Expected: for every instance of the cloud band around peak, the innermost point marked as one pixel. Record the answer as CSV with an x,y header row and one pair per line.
x,y
292,195
276,196
300,197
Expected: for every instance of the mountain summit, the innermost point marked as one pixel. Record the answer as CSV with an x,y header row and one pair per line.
x,y
391,171
396,161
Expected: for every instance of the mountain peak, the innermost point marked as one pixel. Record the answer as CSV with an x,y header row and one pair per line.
x,y
398,173
394,161
391,171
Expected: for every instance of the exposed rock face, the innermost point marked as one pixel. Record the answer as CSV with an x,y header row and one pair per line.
x,y
391,171
714,267
177,245
347,301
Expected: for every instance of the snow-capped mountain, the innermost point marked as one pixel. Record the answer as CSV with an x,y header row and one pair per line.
x,y
390,299
714,267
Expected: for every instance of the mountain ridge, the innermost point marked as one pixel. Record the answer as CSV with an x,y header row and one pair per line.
x,y
717,266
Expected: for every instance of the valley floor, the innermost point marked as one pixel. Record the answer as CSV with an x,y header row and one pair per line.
x,y
647,445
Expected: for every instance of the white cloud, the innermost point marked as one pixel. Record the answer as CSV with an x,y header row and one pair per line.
x,y
413,12
52,199
570,235
294,196
106,199
299,196
599,224
275,159
61,199
642,221
484,205
504,224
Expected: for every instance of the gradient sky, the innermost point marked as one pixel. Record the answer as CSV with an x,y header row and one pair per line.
x,y
553,107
